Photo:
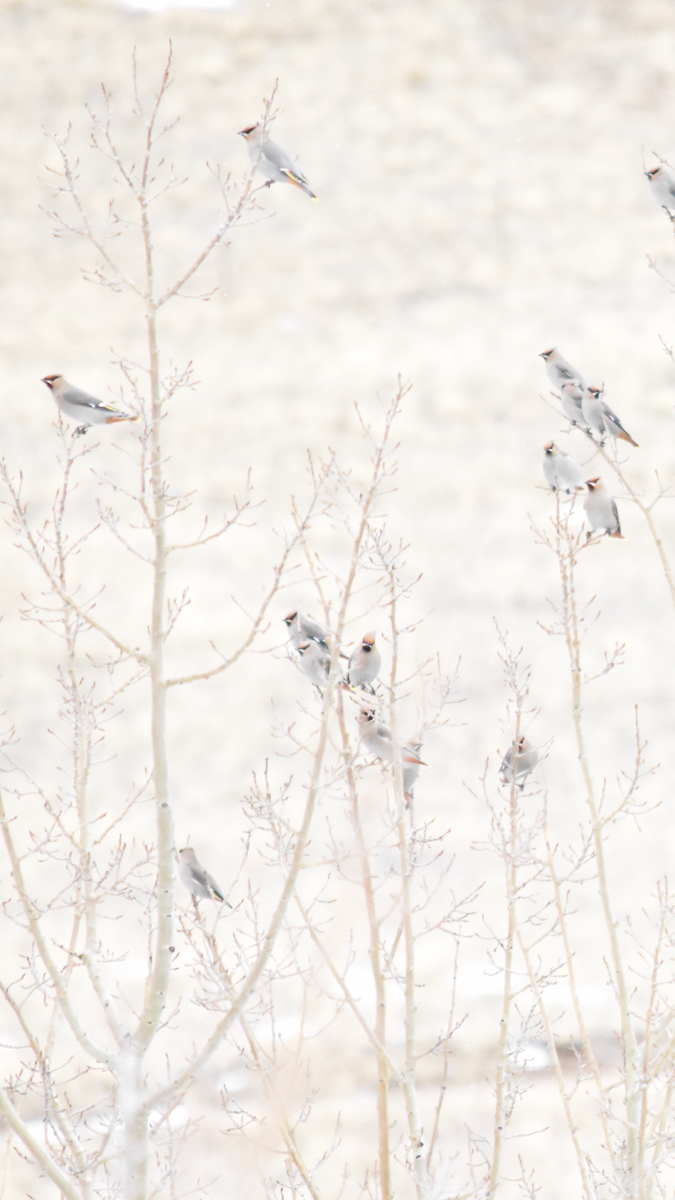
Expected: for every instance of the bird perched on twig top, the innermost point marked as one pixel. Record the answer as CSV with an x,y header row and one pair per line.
x,y
662,186
525,756
197,880
273,162
600,418
364,664
601,510
377,739
560,470
82,407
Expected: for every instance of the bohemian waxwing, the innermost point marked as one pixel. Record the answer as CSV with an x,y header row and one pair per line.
x,y
560,470
600,418
364,664
80,406
272,161
591,407
559,370
314,662
662,186
526,758
376,737
304,629
411,763
197,880
601,511
571,396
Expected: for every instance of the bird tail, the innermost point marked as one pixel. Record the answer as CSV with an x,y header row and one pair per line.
x,y
617,534
298,181
625,437
112,418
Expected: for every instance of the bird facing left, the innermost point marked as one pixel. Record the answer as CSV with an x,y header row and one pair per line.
x,y
80,406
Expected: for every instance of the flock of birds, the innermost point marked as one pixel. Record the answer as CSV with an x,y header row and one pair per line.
x,y
586,407
309,643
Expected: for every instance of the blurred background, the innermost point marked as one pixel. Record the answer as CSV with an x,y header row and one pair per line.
x,y
479,166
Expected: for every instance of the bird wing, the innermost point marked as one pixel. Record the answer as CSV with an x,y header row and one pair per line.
x,y
76,396
294,175
213,886
282,160
613,417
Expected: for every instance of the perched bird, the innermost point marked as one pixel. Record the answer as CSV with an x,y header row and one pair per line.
x,y
601,510
314,662
376,737
600,418
304,629
80,406
197,880
522,756
411,763
662,186
272,161
364,664
591,407
560,470
559,370
571,396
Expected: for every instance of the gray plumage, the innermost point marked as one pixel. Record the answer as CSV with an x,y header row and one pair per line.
x,y
314,662
525,756
197,880
80,406
600,418
411,763
377,739
560,470
304,629
559,370
600,509
662,186
273,162
364,663
571,396
375,735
